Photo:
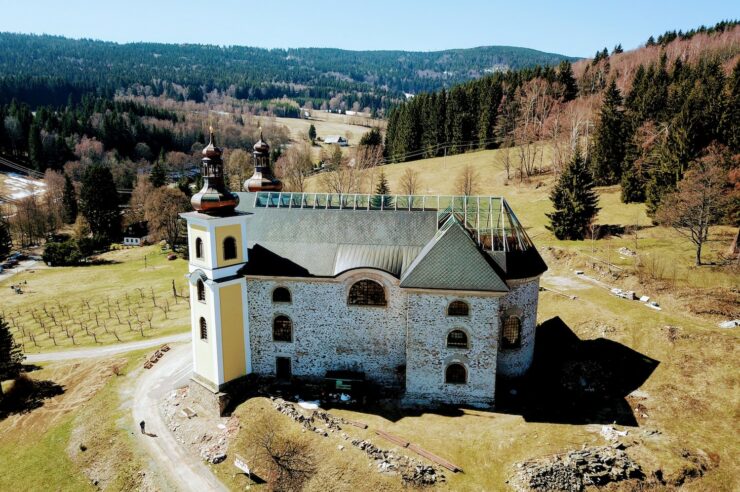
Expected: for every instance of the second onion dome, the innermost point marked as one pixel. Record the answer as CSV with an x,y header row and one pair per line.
x,y
262,179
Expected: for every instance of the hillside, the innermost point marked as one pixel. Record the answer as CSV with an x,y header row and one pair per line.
x,y
370,78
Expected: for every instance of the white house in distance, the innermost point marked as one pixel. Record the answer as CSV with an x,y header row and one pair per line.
x,y
435,296
336,140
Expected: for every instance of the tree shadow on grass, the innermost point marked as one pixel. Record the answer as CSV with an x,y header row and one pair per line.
x,y
27,394
574,381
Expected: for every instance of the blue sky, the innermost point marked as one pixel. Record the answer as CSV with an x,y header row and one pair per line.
x,y
576,28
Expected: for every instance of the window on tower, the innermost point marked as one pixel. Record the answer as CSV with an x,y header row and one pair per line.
x,y
199,248
511,333
203,330
201,291
229,248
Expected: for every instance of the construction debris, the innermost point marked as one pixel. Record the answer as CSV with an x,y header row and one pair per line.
x,y
575,470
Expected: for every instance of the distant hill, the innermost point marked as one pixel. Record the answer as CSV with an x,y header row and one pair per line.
x,y
45,69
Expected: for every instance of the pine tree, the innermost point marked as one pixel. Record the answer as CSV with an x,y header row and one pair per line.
x,y
158,176
312,133
6,242
382,191
11,354
36,148
609,147
567,80
69,202
99,203
574,200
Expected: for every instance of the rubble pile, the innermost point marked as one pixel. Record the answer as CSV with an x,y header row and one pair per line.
x,y
209,437
309,422
413,472
575,470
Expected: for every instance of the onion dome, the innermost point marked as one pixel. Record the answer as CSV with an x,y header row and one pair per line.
x,y
214,198
262,179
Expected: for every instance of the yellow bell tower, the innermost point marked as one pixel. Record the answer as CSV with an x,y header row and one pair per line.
x,y
217,243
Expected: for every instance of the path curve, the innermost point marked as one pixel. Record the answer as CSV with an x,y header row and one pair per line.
x,y
104,351
184,470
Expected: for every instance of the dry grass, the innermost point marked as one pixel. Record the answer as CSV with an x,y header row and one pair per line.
x,y
42,447
126,300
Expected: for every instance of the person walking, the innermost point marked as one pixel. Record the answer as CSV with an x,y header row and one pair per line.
x,y
142,424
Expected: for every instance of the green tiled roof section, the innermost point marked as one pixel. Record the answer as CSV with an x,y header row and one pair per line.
x,y
452,261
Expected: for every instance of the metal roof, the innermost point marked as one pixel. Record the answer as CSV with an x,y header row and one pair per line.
x,y
320,235
452,261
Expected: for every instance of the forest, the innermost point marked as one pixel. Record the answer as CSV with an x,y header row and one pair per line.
x,y
46,70
640,118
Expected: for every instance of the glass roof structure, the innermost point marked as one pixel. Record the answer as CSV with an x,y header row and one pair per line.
x,y
489,220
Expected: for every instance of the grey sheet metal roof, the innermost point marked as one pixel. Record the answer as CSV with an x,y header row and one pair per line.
x,y
324,243
299,242
452,261
392,259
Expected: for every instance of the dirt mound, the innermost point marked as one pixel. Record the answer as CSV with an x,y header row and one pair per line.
x,y
575,470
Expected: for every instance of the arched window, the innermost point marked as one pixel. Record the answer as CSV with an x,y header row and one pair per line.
x,y
198,248
367,293
457,339
511,332
456,374
282,329
458,308
229,248
201,291
203,329
281,294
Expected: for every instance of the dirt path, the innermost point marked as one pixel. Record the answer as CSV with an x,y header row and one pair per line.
x,y
107,350
183,470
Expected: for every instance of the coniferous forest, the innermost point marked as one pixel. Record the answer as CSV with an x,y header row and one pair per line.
x,y
641,118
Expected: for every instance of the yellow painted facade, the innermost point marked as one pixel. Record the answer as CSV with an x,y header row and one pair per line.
x,y
204,363
197,231
232,332
222,232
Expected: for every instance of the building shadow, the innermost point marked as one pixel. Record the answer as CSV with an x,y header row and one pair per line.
x,y
26,395
574,381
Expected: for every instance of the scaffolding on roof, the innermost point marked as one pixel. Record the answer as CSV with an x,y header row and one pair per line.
x,y
489,219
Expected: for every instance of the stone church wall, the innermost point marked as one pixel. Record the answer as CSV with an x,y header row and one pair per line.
x,y
328,334
521,301
428,355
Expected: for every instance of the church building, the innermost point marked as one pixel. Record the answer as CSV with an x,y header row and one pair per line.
x,y
435,296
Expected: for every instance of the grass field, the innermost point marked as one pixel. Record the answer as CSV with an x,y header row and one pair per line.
x,y
128,299
74,437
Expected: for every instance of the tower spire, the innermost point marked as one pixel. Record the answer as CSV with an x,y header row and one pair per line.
x,y
214,198
262,179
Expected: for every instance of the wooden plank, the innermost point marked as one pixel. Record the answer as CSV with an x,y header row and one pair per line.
x,y
392,438
361,425
434,458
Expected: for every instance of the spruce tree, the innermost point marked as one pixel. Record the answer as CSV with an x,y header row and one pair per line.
x,y
158,176
609,139
11,354
36,148
382,191
69,202
99,203
567,80
574,200
312,133
6,242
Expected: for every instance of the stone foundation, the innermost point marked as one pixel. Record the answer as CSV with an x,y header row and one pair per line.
x,y
214,403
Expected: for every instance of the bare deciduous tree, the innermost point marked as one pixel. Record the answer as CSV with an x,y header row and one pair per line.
x,y
698,201
468,181
162,211
294,167
238,168
410,182
289,462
